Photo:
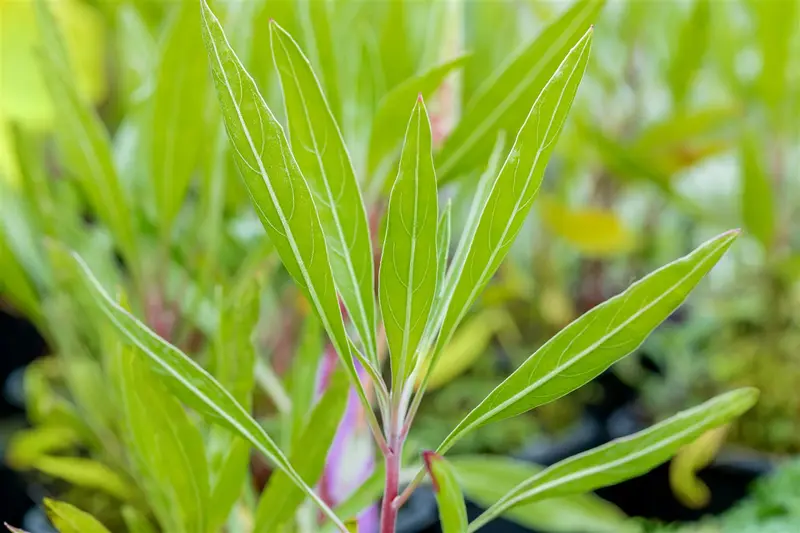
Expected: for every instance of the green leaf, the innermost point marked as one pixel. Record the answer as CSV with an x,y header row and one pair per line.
x,y
305,365
15,286
486,479
69,519
469,343
85,473
387,126
452,508
494,223
396,58
624,458
776,23
689,51
757,202
689,460
408,271
315,17
178,115
234,367
323,160
192,383
596,340
26,446
167,449
135,521
443,236
84,140
281,498
594,232
502,103
279,192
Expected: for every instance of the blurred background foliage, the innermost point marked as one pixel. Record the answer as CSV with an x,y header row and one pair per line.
x,y
687,123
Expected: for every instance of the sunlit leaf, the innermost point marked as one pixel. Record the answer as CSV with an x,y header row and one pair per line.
x,y
167,449
26,446
15,286
626,457
508,198
408,271
278,190
315,17
444,233
595,341
452,508
593,231
192,383
396,61
322,157
178,115
486,479
24,94
303,380
503,101
83,139
281,498
69,519
695,456
757,202
85,473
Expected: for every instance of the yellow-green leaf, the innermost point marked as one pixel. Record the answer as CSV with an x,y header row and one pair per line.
x,y
593,231
409,262
69,519
757,202
693,457
450,499
85,473
27,446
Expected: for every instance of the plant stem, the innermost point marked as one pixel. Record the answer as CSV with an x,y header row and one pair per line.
x,y
392,481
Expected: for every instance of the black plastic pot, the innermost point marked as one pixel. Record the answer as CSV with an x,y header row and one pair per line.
x,y
650,495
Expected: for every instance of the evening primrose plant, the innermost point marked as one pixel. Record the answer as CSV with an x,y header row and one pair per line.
x,y
186,422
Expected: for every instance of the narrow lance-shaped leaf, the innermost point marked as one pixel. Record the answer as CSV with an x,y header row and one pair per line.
x,y
497,221
757,203
166,448
281,498
315,19
596,340
408,271
84,140
319,149
69,519
449,498
178,114
234,366
485,479
86,473
443,236
193,384
689,51
624,458
502,101
279,192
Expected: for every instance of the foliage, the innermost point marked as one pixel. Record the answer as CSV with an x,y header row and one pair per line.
x,y
142,260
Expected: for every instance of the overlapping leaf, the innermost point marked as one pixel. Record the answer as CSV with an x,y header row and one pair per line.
x,y
595,341
450,499
192,383
322,157
279,193
624,458
504,99
409,261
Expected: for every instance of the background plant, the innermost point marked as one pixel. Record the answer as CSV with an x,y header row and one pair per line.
x,y
306,177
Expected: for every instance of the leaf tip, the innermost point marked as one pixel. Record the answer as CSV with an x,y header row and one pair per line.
x,y
419,97
429,457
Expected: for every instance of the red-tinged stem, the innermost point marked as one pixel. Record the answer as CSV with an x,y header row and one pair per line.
x,y
392,480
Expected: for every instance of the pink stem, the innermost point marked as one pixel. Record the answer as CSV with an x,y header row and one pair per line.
x,y
391,488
